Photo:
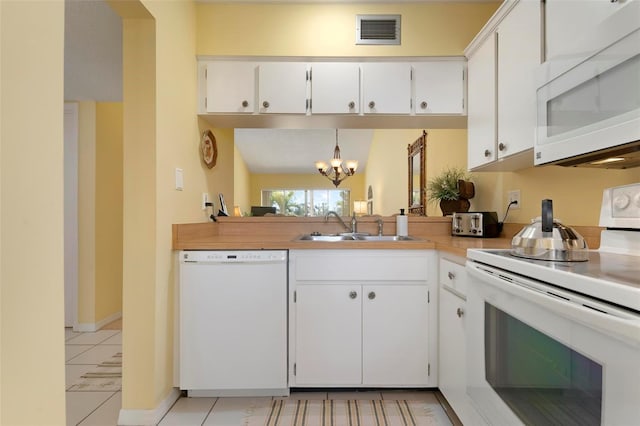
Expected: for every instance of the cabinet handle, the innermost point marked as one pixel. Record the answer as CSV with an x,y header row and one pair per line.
x,y
352,105
372,104
451,275
372,295
353,295
245,104
487,153
459,312
501,146
423,104
265,104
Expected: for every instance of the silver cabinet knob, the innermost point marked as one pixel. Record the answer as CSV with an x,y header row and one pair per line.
x,y
451,275
245,104
372,104
423,104
487,153
501,146
353,295
265,104
371,295
352,105
459,312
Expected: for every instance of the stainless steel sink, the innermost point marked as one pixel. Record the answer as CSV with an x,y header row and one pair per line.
x,y
353,237
326,238
384,238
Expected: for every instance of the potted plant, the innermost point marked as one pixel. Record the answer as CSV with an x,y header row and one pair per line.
x,y
452,190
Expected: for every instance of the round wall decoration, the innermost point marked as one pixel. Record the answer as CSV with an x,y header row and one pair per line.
x,y
209,149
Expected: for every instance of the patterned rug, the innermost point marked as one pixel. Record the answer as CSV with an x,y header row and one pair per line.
x,y
342,413
106,377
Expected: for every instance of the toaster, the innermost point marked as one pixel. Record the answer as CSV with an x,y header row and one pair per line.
x,y
475,224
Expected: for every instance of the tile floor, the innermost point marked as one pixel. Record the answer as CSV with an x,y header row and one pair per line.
x,y
84,351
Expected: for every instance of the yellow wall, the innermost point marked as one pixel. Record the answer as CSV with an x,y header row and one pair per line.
x,y
108,212
31,214
576,192
139,340
241,182
160,134
220,179
437,29
387,166
86,212
304,181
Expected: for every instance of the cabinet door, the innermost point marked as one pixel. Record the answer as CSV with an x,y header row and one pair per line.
x,y
568,23
282,88
519,48
230,87
328,335
386,88
452,367
439,87
394,335
335,88
481,108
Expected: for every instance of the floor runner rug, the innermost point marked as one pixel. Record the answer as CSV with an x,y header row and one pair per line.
x,y
342,413
107,376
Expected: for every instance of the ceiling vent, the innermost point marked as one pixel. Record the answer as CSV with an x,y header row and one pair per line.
x,y
378,29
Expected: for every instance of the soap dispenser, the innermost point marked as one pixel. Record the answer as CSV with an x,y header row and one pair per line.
x,y
402,224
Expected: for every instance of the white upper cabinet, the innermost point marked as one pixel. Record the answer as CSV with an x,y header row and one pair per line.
x,y
568,22
502,73
519,58
282,88
481,109
386,88
230,87
439,87
335,88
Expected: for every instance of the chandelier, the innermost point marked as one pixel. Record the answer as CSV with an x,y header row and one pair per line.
x,y
336,171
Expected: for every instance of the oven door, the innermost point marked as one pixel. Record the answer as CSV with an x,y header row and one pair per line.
x,y
540,355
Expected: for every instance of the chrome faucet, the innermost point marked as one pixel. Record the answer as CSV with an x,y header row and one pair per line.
x,y
380,225
354,223
332,213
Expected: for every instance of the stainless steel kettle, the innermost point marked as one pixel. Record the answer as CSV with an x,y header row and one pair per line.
x,y
548,239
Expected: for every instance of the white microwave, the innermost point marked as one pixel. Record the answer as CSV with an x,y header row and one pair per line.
x,y
589,104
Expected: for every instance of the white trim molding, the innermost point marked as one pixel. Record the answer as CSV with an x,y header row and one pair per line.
x,y
148,417
95,326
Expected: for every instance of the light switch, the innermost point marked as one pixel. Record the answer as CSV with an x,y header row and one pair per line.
x,y
179,180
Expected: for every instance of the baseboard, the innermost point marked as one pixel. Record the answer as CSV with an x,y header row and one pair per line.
x,y
148,417
95,326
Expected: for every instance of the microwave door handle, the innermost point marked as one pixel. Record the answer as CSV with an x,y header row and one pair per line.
x,y
627,330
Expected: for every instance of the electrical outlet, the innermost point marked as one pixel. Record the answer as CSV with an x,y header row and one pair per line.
x,y
514,196
205,200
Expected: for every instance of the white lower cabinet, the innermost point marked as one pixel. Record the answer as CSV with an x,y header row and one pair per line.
x,y
395,347
363,328
328,329
452,344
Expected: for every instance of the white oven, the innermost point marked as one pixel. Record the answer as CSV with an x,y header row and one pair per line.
x,y
558,343
589,104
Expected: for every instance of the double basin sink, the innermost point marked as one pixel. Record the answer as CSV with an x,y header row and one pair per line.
x,y
353,237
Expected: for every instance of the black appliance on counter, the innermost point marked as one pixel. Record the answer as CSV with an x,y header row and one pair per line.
x,y
475,224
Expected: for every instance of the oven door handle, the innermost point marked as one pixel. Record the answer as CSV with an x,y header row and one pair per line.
x,y
625,329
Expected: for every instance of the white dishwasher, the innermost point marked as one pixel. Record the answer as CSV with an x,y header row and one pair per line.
x,y
233,323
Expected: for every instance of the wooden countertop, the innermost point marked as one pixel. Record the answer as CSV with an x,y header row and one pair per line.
x,y
279,232
282,233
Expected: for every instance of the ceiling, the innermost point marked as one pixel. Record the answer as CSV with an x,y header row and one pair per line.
x,y
92,52
297,150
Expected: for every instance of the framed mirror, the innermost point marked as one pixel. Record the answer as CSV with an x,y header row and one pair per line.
x,y
417,175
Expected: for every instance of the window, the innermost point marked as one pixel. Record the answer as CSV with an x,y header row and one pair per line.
x,y
308,202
